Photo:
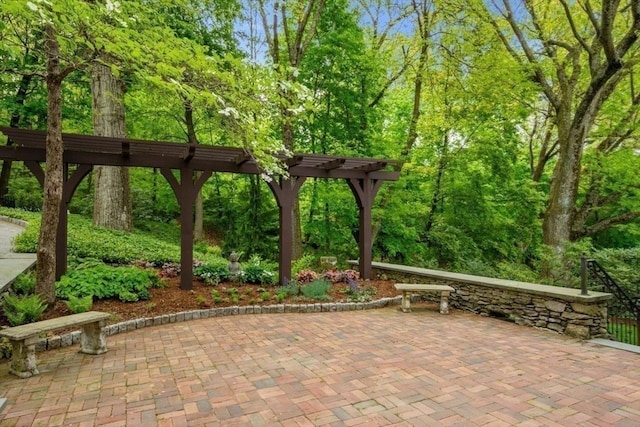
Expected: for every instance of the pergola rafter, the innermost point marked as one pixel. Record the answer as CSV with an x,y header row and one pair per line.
x,y
363,175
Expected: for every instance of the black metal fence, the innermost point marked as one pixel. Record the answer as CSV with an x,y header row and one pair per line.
x,y
623,312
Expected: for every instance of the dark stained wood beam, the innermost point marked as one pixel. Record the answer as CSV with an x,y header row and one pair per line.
x,y
364,176
294,161
332,164
189,152
242,159
375,166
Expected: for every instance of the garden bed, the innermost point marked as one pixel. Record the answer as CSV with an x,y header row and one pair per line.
x,y
171,299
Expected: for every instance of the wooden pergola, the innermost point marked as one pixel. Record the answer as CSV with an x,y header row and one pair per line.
x,y
363,175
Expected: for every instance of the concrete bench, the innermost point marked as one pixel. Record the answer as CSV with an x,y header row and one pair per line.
x,y
414,287
24,338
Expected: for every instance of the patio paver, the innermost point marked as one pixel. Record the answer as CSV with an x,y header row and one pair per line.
x,y
377,367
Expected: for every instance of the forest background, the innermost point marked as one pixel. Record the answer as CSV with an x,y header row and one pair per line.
x,y
515,122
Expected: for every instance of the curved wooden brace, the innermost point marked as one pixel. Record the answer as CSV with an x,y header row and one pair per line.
x,y
36,170
186,191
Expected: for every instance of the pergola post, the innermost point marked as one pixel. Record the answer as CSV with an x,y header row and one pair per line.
x,y
365,190
69,187
286,191
186,191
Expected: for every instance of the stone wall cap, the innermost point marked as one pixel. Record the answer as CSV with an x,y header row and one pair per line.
x,y
567,294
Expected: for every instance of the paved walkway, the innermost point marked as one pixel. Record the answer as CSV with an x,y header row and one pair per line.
x,y
8,231
11,264
377,367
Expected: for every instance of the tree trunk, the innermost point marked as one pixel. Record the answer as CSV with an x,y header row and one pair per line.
x,y
561,207
296,223
198,226
436,197
112,194
53,177
412,133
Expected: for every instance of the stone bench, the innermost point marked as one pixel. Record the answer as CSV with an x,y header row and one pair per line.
x,y
24,338
414,287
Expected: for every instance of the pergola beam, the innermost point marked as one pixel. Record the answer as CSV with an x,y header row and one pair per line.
x,y
364,176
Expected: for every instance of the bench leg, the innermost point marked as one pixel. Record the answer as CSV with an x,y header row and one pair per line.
x,y
23,358
93,339
406,302
444,302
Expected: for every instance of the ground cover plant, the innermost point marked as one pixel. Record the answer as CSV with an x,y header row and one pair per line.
x,y
102,281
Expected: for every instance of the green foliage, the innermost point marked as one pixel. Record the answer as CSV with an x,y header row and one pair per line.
x,y
20,214
360,294
563,269
21,309
623,265
257,272
24,191
115,246
24,284
212,274
475,267
305,262
290,289
103,282
79,304
316,290
517,272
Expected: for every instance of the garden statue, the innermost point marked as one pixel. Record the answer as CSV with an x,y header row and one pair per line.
x,y
234,266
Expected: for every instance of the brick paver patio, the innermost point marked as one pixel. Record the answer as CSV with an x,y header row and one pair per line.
x,y
377,367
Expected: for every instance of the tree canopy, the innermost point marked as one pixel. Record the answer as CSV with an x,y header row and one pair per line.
x,y
516,121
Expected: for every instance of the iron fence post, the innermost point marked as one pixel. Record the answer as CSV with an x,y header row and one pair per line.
x,y
583,275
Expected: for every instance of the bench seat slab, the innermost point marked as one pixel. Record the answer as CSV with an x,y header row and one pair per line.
x,y
24,338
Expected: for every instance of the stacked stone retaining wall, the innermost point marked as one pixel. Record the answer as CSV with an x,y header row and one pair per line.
x,y
558,309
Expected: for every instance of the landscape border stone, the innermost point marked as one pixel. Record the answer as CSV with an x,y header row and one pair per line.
x,y
71,338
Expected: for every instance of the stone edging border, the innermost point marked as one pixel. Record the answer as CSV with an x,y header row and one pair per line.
x,y
15,221
71,338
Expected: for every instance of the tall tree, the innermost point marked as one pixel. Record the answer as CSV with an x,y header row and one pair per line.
x,y
289,33
578,56
53,179
112,193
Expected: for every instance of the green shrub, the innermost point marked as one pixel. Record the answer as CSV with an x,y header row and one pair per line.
x,y
306,262
258,276
103,281
358,294
23,309
316,290
24,284
79,305
290,289
257,272
212,274
518,272
623,265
